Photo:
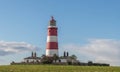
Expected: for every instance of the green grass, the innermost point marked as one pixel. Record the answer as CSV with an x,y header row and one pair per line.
x,y
56,68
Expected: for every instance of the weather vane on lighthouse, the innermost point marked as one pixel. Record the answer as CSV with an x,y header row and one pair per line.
x,y
52,17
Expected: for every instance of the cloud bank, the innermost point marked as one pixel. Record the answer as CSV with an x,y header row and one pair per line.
x,y
7,48
99,50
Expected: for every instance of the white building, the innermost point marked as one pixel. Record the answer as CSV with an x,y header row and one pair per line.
x,y
32,59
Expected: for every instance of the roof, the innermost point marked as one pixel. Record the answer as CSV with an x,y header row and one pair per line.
x,y
32,58
63,57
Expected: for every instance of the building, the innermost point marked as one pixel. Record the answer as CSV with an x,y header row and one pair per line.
x,y
32,59
52,40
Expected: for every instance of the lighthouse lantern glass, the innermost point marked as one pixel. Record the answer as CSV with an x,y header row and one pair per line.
x,y
52,24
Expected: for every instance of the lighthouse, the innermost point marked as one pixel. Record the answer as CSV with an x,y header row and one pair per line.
x,y
52,40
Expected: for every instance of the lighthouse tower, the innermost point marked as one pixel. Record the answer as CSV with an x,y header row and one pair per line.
x,y
52,41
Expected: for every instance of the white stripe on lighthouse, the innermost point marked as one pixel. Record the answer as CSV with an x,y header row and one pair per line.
x,y
52,27
51,52
52,39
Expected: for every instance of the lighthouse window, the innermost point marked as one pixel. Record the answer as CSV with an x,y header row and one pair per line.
x,y
52,24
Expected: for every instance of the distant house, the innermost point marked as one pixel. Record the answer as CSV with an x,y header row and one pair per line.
x,y
63,60
32,59
66,59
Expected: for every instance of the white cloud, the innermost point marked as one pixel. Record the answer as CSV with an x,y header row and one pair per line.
x,y
7,48
99,50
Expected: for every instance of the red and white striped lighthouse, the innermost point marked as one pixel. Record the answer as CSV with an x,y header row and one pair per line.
x,y
52,40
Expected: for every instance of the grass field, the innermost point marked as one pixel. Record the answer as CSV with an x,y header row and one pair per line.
x,y
56,68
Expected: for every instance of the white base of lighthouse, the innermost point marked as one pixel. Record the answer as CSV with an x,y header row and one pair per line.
x,y
51,52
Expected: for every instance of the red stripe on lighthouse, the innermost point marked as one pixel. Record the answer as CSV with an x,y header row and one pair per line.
x,y
52,31
52,45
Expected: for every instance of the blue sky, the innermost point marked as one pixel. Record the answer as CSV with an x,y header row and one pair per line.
x,y
82,25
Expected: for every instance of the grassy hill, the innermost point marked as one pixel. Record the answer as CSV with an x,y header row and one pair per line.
x,y
56,68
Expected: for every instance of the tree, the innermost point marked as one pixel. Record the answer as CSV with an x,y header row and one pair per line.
x,y
55,57
73,57
46,60
90,63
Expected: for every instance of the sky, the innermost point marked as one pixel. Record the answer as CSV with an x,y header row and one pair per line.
x,y
90,29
